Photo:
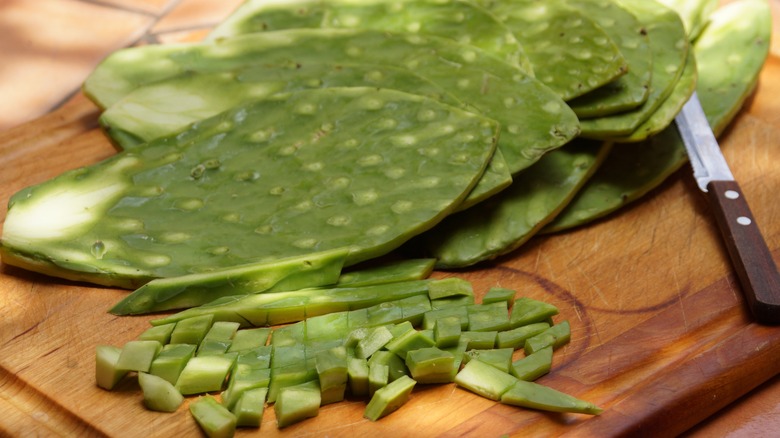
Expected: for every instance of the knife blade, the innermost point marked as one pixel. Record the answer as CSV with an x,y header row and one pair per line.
x,y
750,256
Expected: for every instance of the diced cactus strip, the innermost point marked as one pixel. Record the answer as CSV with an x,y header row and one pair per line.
x,y
555,336
430,365
172,186
449,287
286,355
107,375
568,51
461,312
292,334
534,365
375,340
171,361
479,340
488,317
409,341
378,377
213,418
191,330
249,408
485,380
387,272
495,294
447,331
159,394
389,399
516,337
629,173
631,89
527,310
506,221
669,49
463,21
244,378
395,364
444,303
290,375
138,355
331,368
535,396
249,339
218,338
358,372
160,333
254,310
328,326
527,132
309,270
500,358
205,374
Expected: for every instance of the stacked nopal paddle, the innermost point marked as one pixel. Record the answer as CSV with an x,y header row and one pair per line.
x,y
456,129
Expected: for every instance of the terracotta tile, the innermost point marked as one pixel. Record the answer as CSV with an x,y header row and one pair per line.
x,y
50,46
195,14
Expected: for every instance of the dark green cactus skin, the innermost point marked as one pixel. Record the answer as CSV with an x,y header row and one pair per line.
x,y
463,21
729,57
669,48
322,169
507,220
631,89
568,51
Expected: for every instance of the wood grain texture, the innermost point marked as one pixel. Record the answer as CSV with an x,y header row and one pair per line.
x,y
660,334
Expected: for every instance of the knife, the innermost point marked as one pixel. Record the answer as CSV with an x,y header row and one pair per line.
x,y
749,253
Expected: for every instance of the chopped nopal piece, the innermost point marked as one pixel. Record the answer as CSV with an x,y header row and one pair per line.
x,y
485,380
159,333
449,287
388,272
213,418
536,396
249,339
297,403
378,376
555,336
191,330
534,365
205,373
218,338
358,372
501,358
171,361
516,337
499,294
107,375
138,355
159,394
430,365
446,331
249,408
388,399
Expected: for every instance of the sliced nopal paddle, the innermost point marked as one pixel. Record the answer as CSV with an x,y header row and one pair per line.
x,y
359,168
463,21
534,120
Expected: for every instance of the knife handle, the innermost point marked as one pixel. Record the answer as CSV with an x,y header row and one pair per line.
x,y
749,253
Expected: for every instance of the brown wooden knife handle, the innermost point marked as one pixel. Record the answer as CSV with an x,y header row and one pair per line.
x,y
749,253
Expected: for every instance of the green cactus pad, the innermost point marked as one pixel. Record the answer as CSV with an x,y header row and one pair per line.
x,y
533,119
630,90
732,55
463,21
323,169
694,13
166,107
568,51
669,48
665,113
507,220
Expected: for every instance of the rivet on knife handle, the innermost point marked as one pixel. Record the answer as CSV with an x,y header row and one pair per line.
x,y
749,253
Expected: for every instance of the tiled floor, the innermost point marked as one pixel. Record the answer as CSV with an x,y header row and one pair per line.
x,y
48,47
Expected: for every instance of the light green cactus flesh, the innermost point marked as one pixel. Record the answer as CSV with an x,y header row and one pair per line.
x,y
568,51
463,21
669,48
166,107
359,168
533,119
507,220
730,53
630,90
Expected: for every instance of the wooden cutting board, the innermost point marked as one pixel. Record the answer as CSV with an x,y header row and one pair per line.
x,y
660,336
